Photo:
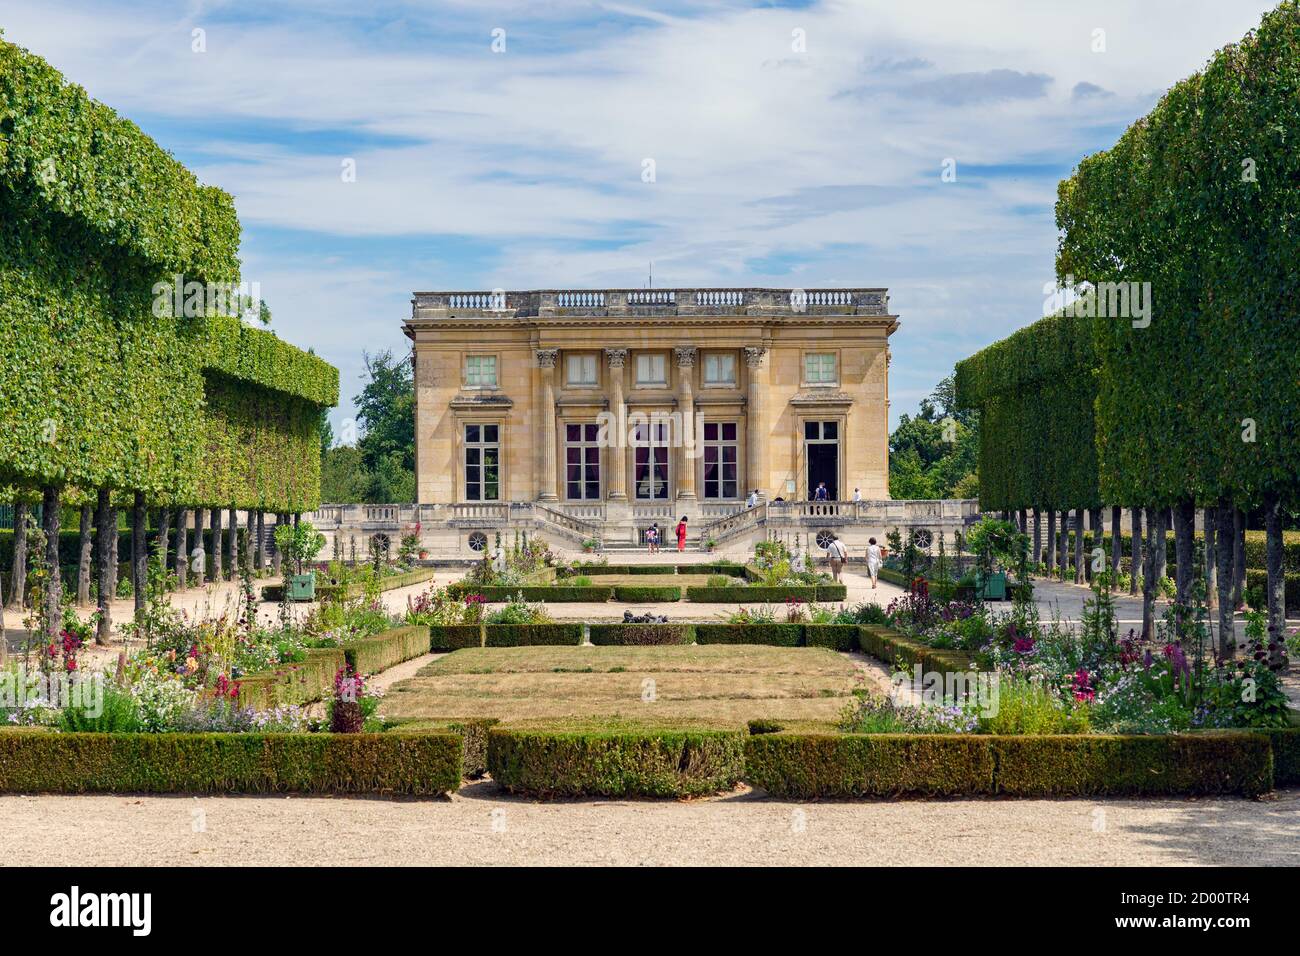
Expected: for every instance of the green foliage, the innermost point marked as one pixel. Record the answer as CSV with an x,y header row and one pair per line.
x,y
935,454
451,637
613,764
839,637
639,635
526,635
635,595
426,763
779,635
299,543
744,595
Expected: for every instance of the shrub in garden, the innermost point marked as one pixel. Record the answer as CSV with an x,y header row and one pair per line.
x,y
839,637
639,635
524,635
635,594
779,635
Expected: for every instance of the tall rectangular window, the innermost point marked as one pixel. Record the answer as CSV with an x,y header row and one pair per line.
x,y
721,455
581,462
652,369
581,369
720,368
481,371
650,460
482,463
819,368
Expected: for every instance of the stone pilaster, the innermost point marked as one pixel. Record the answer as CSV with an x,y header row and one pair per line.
x,y
756,436
686,406
617,480
546,362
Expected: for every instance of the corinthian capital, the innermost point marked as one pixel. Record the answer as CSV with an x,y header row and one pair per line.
x,y
616,357
754,355
685,355
546,357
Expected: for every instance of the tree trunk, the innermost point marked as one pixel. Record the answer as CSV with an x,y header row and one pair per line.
x,y
218,574
1051,542
113,544
1024,521
139,552
1276,580
182,564
276,556
259,548
1079,575
1238,557
1162,545
162,543
1135,548
199,552
18,576
1063,545
1149,577
1038,537
232,537
105,535
1116,543
1227,636
1211,522
1184,515
83,559
50,509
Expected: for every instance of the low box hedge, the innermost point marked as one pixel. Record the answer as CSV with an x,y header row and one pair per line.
x,y
427,763
644,594
1286,755
553,593
639,635
838,637
452,637
892,647
532,635
1291,587
731,570
832,592
616,764
777,635
292,684
370,655
1165,764
806,766
749,594
595,570
472,731
809,766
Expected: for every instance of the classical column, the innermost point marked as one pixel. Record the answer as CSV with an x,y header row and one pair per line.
x,y
686,406
756,425
617,483
546,362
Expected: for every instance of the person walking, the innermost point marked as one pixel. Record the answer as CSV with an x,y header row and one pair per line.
x,y
838,554
681,534
875,558
652,538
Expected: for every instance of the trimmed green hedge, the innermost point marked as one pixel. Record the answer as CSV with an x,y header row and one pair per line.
x,y
370,655
888,645
472,731
637,594
452,637
1286,755
1291,582
838,637
808,766
777,635
428,763
639,635
749,595
614,764
554,593
595,570
529,635
730,570
885,765
832,592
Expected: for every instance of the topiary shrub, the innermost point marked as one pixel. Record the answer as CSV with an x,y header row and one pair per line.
x,y
452,637
778,635
616,764
525,635
639,635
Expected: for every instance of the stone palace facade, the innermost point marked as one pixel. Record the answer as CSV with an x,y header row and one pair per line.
x,y
587,415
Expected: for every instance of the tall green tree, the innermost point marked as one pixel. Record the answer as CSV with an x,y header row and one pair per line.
x,y
386,413
935,454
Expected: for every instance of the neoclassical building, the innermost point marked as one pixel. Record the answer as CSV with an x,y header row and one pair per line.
x,y
624,406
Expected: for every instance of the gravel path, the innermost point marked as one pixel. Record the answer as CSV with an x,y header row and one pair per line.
x,y
481,827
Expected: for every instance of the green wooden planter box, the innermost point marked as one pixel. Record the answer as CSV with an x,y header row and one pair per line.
x,y
302,587
995,587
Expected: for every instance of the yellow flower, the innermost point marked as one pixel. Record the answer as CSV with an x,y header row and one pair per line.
x,y
191,665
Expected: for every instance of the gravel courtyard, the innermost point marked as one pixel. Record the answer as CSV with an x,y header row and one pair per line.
x,y
481,827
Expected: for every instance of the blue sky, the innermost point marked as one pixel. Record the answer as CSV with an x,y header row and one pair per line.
x,y
795,144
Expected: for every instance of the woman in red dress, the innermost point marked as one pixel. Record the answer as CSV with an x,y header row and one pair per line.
x,y
681,534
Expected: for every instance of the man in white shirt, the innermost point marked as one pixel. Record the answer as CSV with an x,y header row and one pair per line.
x,y
838,555
857,495
752,502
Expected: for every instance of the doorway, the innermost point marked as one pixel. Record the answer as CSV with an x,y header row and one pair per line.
x,y
822,445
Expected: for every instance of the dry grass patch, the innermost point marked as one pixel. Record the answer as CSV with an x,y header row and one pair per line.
x,y
637,686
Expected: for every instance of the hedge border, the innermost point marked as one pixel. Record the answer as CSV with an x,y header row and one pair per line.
x,y
772,635
454,637
749,595
427,763
640,635
892,647
837,637
532,635
671,763
650,594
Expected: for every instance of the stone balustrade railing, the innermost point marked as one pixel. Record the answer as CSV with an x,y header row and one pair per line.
x,y
631,302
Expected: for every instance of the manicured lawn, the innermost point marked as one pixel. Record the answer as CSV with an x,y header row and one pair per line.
x,y
713,685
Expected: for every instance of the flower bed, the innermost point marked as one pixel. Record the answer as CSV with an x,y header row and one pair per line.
x,y
523,635
642,635
778,635
637,594
811,766
44,762
616,764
